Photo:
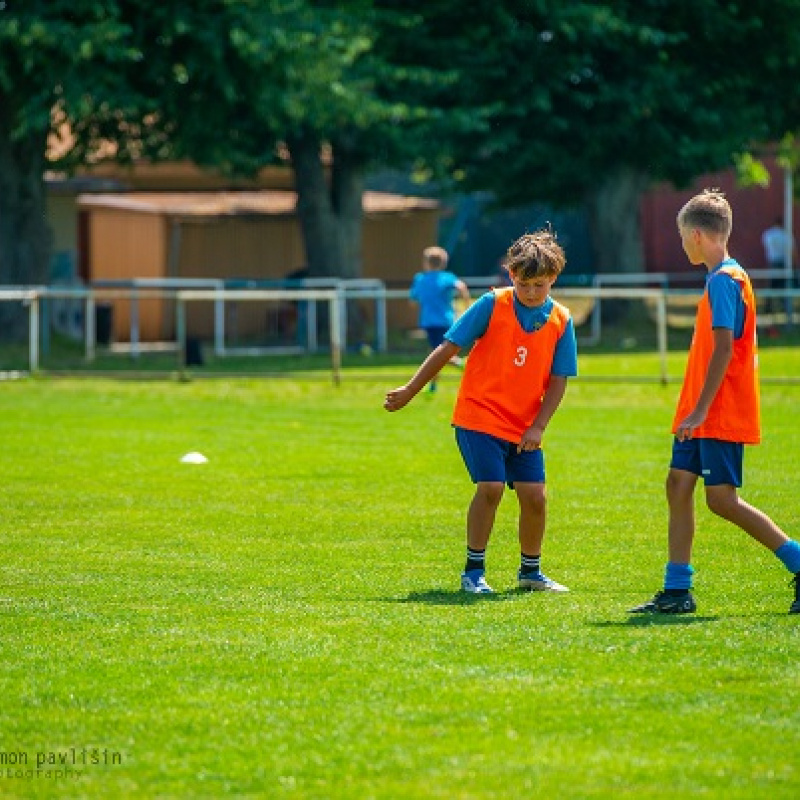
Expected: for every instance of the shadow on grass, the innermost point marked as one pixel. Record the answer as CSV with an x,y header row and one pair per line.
x,y
447,597
456,597
654,620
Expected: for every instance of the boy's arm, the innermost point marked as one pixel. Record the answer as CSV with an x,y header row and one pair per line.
x,y
413,292
717,366
463,290
429,369
532,438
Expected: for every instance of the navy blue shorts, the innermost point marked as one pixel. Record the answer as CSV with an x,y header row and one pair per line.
x,y
435,336
717,462
492,460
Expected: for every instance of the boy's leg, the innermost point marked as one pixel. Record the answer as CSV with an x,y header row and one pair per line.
x,y
532,499
482,512
725,502
435,338
680,500
724,461
676,597
480,521
484,458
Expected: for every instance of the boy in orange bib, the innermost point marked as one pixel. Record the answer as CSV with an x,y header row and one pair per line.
x,y
515,377
718,410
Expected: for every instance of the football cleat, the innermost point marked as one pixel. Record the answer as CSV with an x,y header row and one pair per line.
x,y
795,607
473,582
664,603
536,582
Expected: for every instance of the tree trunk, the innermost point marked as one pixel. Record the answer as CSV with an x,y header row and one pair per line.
x,y
330,212
348,201
615,222
331,217
25,237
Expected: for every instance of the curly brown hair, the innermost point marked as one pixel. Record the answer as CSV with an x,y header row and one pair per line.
x,y
535,255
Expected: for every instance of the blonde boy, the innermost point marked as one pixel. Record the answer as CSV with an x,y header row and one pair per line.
x,y
718,410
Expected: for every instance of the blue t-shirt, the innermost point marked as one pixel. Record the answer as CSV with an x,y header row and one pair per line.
x,y
434,292
725,299
472,324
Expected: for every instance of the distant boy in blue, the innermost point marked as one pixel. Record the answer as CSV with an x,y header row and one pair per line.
x,y
433,290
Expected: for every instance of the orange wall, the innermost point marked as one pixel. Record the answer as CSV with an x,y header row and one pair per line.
x,y
128,244
125,244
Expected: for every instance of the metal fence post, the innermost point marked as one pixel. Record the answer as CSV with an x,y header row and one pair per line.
x,y
90,326
134,323
180,330
381,334
335,304
33,327
219,323
661,322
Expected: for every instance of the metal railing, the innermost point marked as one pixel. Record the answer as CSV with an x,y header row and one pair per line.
x,y
335,294
33,297
226,292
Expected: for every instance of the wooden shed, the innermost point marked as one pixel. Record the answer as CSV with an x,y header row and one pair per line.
x,y
233,235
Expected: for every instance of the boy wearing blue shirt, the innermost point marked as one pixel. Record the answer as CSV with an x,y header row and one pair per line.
x,y
433,290
718,409
523,350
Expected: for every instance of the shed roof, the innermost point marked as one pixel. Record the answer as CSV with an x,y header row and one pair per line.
x,y
222,204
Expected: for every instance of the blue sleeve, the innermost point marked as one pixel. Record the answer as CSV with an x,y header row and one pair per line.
x,y
452,280
472,324
565,358
414,291
727,306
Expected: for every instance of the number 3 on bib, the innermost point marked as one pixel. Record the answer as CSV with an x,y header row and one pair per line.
x,y
522,354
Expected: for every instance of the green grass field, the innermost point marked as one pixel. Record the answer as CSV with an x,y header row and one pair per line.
x,y
284,620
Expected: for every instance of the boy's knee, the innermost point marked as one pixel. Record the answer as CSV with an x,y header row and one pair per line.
x,y
721,500
533,495
679,485
491,493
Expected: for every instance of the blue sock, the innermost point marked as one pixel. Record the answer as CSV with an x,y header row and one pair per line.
x,y
678,577
789,554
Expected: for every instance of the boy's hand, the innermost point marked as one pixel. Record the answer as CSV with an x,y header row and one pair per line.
x,y
428,370
687,427
531,439
397,398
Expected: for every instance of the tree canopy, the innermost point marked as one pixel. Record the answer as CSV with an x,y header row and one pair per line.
x,y
667,89
595,101
567,102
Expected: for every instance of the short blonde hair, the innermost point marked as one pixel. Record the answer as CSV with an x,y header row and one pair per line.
x,y
535,255
435,257
708,211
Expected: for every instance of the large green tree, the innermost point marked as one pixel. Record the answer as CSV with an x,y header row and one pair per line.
x,y
569,102
44,52
226,83
104,79
349,99
599,100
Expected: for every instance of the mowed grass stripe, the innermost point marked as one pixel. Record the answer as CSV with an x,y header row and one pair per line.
x,y
284,621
